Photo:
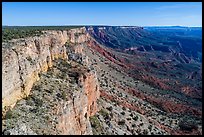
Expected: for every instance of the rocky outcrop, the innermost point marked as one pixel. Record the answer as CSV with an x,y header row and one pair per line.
x,y
75,113
24,59
91,88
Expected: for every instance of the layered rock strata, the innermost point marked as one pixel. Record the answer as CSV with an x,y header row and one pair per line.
x,y
24,59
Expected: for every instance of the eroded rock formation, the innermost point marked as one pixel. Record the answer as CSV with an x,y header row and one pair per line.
x,y
24,59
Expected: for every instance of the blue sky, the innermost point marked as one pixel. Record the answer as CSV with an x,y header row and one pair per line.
x,y
102,13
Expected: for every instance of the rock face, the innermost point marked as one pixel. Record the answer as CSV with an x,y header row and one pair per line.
x,y
75,117
91,88
24,59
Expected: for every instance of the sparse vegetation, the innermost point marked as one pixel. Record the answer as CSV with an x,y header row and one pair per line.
x,y
15,32
38,101
131,110
104,113
9,114
96,126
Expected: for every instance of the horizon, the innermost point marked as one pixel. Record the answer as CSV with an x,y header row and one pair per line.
x,y
141,14
94,25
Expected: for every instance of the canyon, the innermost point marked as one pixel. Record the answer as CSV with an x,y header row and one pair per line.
x,y
28,58
101,80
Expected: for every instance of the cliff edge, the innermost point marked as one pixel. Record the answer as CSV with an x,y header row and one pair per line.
x,y
33,61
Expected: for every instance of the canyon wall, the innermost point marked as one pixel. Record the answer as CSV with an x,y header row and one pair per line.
x,y
75,113
24,59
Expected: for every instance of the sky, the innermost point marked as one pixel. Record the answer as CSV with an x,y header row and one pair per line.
x,y
102,13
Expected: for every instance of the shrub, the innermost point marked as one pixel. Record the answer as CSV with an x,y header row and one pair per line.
x,y
145,132
38,101
121,122
141,124
128,118
96,125
67,43
110,108
135,118
72,80
104,113
150,127
138,131
133,125
11,114
64,95
29,102
8,114
29,59
47,117
124,108
162,119
123,113
37,87
94,122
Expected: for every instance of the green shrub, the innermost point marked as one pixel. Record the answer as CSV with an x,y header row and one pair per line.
x,y
135,118
96,125
38,102
8,114
104,113
94,122
11,114
64,95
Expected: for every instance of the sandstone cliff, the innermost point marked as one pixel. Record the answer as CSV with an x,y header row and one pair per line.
x,y
23,60
75,118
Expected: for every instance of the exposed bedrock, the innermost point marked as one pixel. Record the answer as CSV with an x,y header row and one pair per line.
x,y
24,59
